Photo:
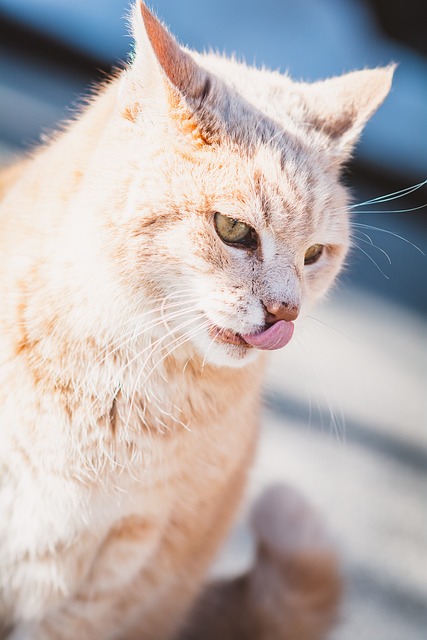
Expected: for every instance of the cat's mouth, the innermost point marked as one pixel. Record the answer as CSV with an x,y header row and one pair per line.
x,y
227,336
271,337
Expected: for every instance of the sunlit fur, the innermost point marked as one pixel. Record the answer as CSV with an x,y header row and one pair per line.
x,y
126,431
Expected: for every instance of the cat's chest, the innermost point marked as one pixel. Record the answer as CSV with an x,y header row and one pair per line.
x,y
181,442
152,447
175,472
178,415
170,444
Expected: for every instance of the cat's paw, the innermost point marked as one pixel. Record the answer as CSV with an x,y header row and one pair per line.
x,y
285,522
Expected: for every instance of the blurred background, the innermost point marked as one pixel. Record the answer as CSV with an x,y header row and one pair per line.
x,y
345,415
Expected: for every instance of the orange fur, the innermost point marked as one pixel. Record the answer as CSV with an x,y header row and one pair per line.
x,y
128,424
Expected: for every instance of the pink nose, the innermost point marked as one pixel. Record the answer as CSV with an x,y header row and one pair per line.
x,y
280,311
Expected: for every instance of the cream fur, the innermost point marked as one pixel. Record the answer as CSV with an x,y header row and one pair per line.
x,y
126,431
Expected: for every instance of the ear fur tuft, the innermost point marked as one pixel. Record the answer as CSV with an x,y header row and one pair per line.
x,y
156,44
340,107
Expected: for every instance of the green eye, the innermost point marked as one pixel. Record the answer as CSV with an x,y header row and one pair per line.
x,y
233,231
313,253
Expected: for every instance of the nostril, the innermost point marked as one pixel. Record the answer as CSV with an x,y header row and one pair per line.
x,y
280,311
276,307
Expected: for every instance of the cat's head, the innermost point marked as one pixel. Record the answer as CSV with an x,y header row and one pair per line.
x,y
235,218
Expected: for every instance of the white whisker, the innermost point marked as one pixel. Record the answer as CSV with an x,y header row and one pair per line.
x,y
152,349
134,335
391,196
206,354
328,326
337,423
372,260
391,233
387,211
372,244
179,341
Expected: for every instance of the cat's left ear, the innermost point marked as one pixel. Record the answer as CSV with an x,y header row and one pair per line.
x,y
340,107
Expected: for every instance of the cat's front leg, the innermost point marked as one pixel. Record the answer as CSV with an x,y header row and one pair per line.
x,y
103,603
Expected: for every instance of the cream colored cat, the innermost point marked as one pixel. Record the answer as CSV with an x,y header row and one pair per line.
x,y
148,255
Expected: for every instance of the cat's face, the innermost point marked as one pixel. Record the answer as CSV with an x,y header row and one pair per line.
x,y
238,221
287,245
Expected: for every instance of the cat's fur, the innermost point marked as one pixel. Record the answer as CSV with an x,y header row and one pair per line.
x,y
126,431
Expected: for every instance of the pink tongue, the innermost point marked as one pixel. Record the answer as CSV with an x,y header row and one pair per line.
x,y
275,337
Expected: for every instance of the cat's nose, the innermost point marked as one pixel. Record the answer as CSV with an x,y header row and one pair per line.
x,y
276,311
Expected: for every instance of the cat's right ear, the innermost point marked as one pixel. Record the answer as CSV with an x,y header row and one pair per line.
x,y
162,72
340,107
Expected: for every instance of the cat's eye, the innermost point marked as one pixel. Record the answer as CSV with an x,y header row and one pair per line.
x,y
232,231
313,253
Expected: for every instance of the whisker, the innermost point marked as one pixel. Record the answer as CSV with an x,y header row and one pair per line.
x,y
337,422
391,233
372,260
174,418
151,349
328,326
153,346
386,211
134,335
372,244
206,354
369,239
139,317
391,196
181,340
301,346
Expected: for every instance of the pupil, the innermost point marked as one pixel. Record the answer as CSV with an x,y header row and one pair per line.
x,y
235,232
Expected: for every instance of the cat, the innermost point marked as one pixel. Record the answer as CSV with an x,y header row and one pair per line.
x,y
150,254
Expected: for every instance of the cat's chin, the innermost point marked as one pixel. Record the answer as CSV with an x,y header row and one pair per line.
x,y
225,354
228,355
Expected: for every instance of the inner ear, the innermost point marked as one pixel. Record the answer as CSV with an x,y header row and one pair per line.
x,y
340,107
176,63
